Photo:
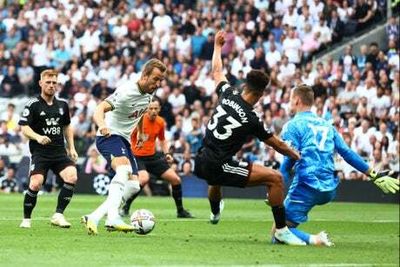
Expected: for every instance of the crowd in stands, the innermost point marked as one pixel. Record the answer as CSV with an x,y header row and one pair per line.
x,y
97,45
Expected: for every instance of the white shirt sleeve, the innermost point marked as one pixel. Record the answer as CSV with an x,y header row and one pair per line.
x,y
116,99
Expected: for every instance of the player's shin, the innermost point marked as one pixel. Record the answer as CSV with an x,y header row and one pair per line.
x,y
177,195
116,190
300,234
64,197
131,191
279,216
214,197
29,202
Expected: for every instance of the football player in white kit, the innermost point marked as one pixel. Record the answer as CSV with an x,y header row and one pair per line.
x,y
116,118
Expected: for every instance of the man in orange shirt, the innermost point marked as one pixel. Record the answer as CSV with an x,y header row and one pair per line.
x,y
148,160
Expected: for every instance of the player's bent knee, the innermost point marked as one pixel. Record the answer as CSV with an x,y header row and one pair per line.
x,y
69,175
122,174
36,182
35,186
118,161
143,177
171,176
277,178
71,179
176,180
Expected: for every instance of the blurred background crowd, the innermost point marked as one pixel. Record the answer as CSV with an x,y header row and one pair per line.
x,y
97,45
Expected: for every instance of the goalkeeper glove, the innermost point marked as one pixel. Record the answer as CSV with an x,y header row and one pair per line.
x,y
386,183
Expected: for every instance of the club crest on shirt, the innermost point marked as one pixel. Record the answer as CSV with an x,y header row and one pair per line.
x,y
61,111
25,113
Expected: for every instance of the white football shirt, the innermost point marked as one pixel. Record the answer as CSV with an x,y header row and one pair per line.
x,y
129,105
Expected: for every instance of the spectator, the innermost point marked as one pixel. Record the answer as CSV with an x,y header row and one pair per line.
x,y
195,137
12,38
207,48
272,57
25,75
311,42
197,42
162,22
336,26
392,29
292,48
3,167
287,69
177,100
10,86
362,58
10,117
95,163
325,37
8,183
363,14
383,131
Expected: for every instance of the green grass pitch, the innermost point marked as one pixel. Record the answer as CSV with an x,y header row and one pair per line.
x,y
365,235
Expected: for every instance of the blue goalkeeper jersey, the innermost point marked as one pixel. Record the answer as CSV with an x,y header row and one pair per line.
x,y
317,141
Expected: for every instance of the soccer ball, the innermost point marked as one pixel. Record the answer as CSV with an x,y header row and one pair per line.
x,y
143,221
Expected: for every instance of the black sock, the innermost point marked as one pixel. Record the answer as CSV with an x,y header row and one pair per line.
x,y
177,195
29,202
128,202
64,197
279,216
214,206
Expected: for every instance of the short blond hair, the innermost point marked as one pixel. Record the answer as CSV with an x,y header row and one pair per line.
x,y
305,93
151,64
48,72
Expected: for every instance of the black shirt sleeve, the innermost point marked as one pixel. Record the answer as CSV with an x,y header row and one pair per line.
x,y
261,130
27,115
224,88
67,117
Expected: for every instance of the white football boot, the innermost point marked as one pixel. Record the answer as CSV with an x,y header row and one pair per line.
x,y
322,239
284,235
59,220
26,223
214,218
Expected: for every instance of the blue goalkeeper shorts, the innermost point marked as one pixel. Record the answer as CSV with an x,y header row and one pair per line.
x,y
301,199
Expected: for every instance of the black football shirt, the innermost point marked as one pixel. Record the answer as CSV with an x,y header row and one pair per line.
x,y
48,120
233,120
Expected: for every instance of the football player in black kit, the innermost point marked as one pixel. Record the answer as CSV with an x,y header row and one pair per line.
x,y
45,121
232,121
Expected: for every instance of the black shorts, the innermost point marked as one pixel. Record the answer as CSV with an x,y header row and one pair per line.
x,y
41,164
229,173
156,164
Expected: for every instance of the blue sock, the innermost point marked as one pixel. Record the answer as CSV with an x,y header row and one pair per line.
x,y
302,235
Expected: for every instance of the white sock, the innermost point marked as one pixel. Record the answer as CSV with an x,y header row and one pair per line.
x,y
116,190
313,240
131,188
99,213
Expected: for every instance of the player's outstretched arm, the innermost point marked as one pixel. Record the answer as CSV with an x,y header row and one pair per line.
x,y
216,63
98,117
381,179
32,135
285,169
280,146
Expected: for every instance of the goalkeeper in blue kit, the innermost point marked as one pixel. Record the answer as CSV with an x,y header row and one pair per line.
x,y
314,181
